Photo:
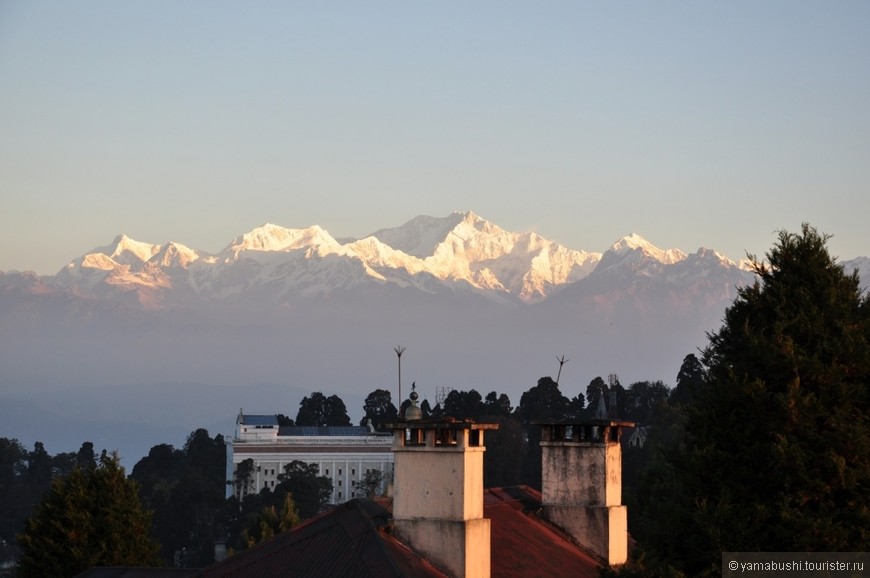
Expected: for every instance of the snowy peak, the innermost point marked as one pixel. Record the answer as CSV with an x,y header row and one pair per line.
x,y
128,251
271,237
421,235
174,255
634,253
122,252
636,243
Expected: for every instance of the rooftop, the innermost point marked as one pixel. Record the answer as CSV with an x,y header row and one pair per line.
x,y
258,420
326,431
355,539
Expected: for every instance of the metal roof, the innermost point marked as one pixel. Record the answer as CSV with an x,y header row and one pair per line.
x,y
325,431
259,420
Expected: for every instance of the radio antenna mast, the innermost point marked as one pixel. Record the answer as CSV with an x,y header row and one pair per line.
x,y
562,361
399,351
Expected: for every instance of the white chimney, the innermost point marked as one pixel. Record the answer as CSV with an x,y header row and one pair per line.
x,y
581,484
438,499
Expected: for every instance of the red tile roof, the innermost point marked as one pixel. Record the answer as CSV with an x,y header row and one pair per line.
x,y
523,544
354,540
343,542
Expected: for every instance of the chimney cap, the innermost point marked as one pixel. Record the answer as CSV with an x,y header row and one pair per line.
x,y
441,423
585,421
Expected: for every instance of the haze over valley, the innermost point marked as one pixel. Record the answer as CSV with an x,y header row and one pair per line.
x,y
137,343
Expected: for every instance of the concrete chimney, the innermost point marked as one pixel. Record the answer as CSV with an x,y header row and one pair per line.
x,y
581,484
438,497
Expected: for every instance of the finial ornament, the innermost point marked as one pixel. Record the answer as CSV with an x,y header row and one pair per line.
x,y
413,412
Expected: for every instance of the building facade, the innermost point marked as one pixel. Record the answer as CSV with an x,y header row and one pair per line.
x,y
342,454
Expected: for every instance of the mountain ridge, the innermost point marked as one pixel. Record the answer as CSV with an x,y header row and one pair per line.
x,y
459,248
478,307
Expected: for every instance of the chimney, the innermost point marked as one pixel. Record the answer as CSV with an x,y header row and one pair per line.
x,y
438,497
581,484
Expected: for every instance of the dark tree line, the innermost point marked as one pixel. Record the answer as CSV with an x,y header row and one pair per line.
x,y
25,477
185,490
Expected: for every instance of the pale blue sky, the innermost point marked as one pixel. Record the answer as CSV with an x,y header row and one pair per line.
x,y
690,123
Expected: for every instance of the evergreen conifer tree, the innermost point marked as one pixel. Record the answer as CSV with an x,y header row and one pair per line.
x,y
91,517
777,447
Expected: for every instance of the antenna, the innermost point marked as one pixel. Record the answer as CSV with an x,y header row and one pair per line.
x,y
562,361
399,351
441,394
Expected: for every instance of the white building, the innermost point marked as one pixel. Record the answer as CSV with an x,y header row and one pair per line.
x,y
342,454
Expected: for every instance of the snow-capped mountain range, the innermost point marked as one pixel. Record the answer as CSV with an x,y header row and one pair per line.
x,y
134,339
460,251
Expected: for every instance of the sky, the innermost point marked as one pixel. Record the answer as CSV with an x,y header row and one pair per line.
x,y
690,123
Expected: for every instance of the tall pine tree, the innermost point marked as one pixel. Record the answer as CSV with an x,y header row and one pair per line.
x,y
777,448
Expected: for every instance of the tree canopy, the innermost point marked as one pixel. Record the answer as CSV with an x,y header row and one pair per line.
x,y
185,488
777,444
90,517
379,408
269,522
318,410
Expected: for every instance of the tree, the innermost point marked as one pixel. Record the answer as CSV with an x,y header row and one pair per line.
x,y
89,518
310,490
186,489
312,410
543,401
319,410
497,405
505,454
596,389
371,482
86,457
690,379
379,408
243,478
15,497
777,445
269,522
463,404
427,409
336,412
39,467
641,400
577,405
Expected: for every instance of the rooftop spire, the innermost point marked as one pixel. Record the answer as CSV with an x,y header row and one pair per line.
x,y
413,413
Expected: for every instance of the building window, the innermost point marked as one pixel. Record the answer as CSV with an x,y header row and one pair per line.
x,y
353,494
339,483
327,471
339,471
353,472
353,483
339,494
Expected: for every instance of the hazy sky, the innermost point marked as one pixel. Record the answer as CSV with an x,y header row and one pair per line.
x,y
691,123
